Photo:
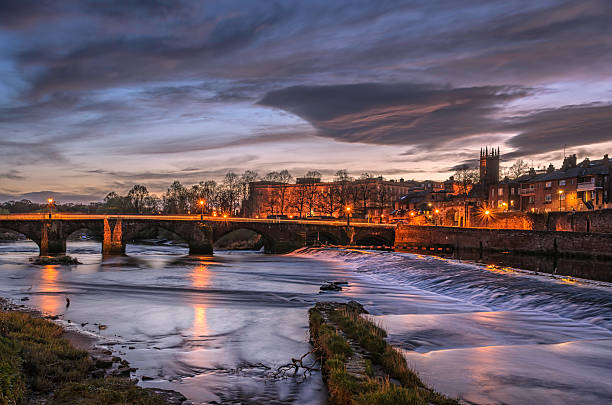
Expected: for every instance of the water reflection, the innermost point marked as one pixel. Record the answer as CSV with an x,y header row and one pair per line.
x,y
599,270
50,302
200,279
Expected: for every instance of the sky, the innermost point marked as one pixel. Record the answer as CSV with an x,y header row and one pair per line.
x,y
98,95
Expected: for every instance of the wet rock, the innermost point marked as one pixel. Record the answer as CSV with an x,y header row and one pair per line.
x,y
116,359
123,371
25,299
102,327
131,347
104,362
146,378
331,286
356,307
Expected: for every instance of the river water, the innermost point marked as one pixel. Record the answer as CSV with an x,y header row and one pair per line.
x,y
213,328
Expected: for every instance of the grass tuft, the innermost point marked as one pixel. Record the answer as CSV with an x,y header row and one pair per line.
x,y
335,350
35,358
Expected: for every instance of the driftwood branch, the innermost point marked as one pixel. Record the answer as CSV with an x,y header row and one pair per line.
x,y
296,369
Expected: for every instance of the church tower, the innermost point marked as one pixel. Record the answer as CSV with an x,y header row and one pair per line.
x,y
489,166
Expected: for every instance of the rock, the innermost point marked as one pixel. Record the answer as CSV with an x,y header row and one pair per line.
x,y
131,347
355,306
102,327
98,374
123,371
25,299
330,287
104,362
116,359
146,378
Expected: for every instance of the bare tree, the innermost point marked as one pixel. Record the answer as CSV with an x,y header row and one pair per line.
x,y
518,169
137,196
465,178
364,191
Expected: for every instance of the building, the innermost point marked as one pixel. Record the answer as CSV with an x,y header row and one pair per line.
x,y
370,199
574,187
489,167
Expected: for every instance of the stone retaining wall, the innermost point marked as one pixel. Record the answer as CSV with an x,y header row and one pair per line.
x,y
440,238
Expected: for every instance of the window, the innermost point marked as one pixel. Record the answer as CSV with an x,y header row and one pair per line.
x,y
512,191
548,184
531,199
562,196
562,182
500,191
548,197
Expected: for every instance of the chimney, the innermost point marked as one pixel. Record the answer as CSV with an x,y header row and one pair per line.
x,y
550,169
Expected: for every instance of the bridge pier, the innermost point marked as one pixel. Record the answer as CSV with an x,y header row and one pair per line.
x,y
112,241
52,242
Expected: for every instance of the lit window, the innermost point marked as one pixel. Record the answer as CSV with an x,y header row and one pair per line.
x,y
500,191
562,182
548,184
548,197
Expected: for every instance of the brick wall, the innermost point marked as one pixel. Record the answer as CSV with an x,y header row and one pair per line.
x,y
571,244
599,221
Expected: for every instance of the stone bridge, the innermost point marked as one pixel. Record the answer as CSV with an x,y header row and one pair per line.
x,y
279,236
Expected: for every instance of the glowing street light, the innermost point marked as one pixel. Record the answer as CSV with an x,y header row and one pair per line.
x,y
487,212
348,215
202,203
560,194
50,201
224,215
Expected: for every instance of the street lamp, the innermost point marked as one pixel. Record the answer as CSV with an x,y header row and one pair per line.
x,y
348,215
437,211
50,201
560,194
505,205
202,203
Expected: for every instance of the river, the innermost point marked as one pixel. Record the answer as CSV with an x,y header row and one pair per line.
x,y
213,328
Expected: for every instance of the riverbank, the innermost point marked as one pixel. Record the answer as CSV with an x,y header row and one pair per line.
x,y
41,362
358,365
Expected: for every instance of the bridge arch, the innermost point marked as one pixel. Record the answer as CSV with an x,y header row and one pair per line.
x,y
268,240
195,235
322,237
4,228
91,230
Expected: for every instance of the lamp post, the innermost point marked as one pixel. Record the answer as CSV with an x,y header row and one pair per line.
x,y
50,201
437,211
348,215
560,194
202,203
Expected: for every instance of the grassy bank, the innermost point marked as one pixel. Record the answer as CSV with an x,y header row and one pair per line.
x,y
358,365
37,362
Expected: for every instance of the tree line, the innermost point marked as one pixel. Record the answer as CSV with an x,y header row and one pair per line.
x,y
310,197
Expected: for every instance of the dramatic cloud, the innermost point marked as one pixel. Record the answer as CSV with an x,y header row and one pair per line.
x,y
554,129
91,84
404,114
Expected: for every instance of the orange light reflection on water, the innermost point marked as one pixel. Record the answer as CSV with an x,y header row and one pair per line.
x,y
49,301
201,279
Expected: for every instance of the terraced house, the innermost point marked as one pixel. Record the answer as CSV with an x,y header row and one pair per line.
x,y
575,187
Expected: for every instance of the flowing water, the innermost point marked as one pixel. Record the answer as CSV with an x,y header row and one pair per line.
x,y
214,328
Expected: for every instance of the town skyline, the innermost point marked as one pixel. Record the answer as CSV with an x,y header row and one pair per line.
x,y
99,97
